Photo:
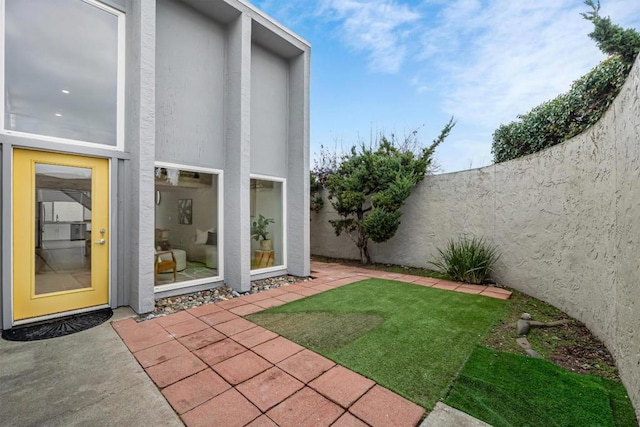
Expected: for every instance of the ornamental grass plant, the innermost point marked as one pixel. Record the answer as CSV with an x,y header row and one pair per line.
x,y
467,260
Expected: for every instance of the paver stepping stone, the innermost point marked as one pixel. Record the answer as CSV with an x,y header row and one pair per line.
x,y
380,407
229,409
195,390
254,336
341,385
218,317
262,421
277,349
306,365
234,326
203,310
348,420
219,351
138,336
231,303
201,338
291,296
270,302
172,319
243,310
187,327
306,408
175,369
160,353
240,368
269,388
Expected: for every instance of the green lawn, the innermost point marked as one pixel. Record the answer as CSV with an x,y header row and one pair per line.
x,y
511,390
411,339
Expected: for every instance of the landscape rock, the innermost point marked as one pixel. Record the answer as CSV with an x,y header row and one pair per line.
x,y
169,305
524,343
532,353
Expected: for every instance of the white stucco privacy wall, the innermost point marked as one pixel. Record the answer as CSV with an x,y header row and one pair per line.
x,y
566,222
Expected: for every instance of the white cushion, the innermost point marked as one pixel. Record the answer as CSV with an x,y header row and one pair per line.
x,y
201,237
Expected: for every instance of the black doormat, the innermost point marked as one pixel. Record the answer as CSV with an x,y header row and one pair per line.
x,y
58,327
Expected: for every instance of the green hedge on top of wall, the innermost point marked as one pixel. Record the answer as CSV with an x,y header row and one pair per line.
x,y
561,118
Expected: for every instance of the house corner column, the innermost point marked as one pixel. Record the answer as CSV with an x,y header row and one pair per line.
x,y
140,142
237,262
298,240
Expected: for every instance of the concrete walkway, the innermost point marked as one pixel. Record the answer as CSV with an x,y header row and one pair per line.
x,y
217,369
87,379
446,416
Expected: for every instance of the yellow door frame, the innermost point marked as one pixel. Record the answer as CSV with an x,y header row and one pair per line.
x,y
26,304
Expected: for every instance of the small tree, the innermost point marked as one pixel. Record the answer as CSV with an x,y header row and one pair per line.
x,y
612,39
369,186
325,165
316,202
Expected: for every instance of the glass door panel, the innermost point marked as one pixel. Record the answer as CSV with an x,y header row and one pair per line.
x,y
63,258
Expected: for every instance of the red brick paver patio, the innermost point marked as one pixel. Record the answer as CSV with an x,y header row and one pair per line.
x,y
216,368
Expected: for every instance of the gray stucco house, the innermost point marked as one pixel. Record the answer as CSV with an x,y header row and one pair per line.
x,y
140,140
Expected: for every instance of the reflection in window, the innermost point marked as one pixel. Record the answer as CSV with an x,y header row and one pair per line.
x,y
63,236
267,237
186,229
61,70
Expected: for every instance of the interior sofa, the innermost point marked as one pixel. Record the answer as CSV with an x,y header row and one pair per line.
x,y
206,254
203,248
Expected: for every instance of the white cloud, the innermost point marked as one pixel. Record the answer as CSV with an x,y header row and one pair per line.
x,y
465,153
291,13
496,59
420,84
379,28
502,58
484,61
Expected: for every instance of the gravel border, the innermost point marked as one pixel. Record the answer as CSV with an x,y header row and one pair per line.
x,y
169,305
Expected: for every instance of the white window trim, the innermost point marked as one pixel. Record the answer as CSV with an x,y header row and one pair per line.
x,y
220,226
120,95
282,266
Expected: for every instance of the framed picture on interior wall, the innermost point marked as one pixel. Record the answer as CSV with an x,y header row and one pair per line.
x,y
184,211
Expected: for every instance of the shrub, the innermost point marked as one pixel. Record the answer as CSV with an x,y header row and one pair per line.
x,y
467,260
316,202
368,186
588,99
564,117
612,39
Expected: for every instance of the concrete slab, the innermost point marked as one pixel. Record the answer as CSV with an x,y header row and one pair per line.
x,y
446,416
88,378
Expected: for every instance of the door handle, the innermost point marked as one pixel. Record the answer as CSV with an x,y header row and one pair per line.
x,y
101,242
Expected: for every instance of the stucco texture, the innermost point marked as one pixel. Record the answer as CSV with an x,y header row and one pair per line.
x,y
566,222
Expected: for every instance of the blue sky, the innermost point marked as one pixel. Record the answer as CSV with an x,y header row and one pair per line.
x,y
393,66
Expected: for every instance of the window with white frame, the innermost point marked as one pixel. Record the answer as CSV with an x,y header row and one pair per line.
x,y
63,70
267,223
187,224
